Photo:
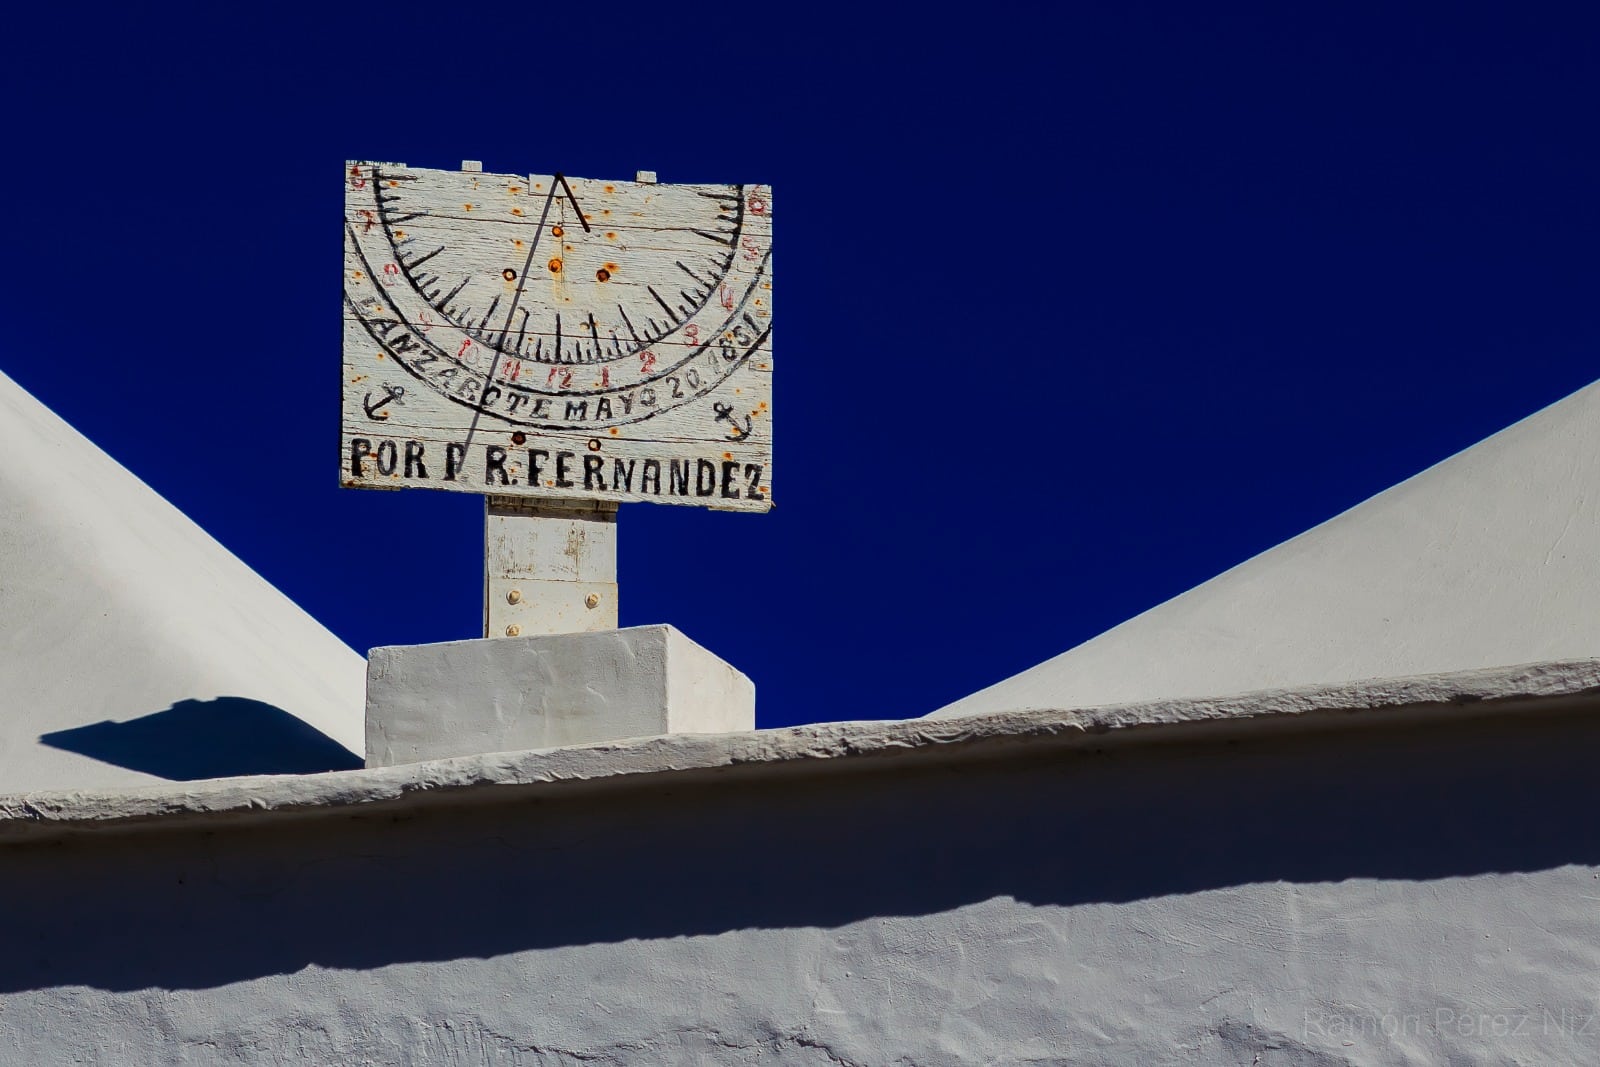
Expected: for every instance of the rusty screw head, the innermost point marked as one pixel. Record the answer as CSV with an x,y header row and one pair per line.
x,y
513,597
592,600
513,630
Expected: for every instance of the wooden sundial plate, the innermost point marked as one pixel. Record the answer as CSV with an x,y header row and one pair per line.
x,y
494,345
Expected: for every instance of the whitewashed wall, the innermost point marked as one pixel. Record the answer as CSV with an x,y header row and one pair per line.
x,y
1367,897
133,646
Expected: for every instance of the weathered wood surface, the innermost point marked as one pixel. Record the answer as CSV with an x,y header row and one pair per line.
x,y
548,568
557,337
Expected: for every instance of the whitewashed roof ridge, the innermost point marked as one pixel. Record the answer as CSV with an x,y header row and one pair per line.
x,y
114,607
1488,558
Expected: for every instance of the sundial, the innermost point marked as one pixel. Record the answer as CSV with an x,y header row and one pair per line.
x,y
557,344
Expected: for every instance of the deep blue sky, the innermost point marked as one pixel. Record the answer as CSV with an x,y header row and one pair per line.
x,y
1074,309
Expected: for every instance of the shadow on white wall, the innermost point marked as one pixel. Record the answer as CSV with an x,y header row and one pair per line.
x,y
219,738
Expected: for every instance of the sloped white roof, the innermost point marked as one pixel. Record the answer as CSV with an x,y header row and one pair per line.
x,y
1489,558
133,646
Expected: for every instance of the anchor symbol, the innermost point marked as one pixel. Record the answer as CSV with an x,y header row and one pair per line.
x,y
725,414
394,395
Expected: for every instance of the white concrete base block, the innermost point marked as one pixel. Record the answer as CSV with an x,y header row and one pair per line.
x,y
462,698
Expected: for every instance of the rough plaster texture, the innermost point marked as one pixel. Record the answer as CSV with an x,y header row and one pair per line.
x,y
684,759
1490,557
1418,892
119,615
460,698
